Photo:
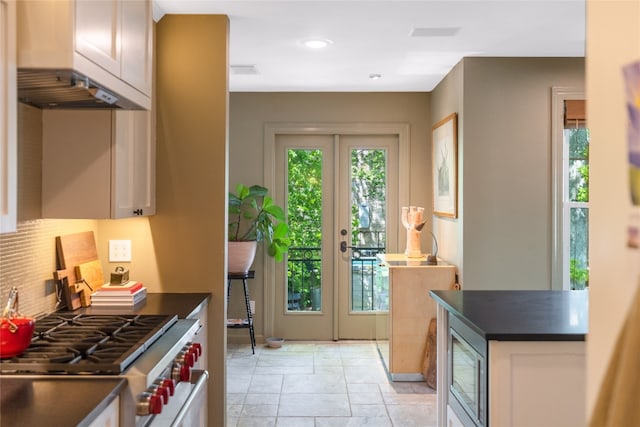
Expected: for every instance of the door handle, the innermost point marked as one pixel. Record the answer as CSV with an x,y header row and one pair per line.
x,y
344,247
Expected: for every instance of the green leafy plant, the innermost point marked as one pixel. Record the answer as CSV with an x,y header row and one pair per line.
x,y
577,274
254,216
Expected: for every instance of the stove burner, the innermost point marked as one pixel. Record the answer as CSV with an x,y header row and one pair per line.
x,y
85,344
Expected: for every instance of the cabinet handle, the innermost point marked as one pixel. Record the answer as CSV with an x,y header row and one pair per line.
x,y
137,212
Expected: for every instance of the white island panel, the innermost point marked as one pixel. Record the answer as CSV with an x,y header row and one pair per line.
x,y
537,383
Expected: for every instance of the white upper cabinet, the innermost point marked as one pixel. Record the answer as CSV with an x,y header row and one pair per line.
x,y
98,164
137,43
134,166
109,41
98,32
8,118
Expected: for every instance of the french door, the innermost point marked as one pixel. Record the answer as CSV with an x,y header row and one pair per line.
x,y
340,191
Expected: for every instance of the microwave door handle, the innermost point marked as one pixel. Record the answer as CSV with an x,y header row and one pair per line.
x,y
479,393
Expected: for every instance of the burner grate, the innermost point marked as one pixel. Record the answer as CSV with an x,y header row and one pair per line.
x,y
69,343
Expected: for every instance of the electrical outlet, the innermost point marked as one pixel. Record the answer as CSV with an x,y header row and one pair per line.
x,y
119,250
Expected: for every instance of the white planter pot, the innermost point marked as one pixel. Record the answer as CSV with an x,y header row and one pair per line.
x,y
240,256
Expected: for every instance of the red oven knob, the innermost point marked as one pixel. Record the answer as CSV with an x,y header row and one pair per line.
x,y
148,403
180,372
197,347
161,391
194,353
167,383
185,357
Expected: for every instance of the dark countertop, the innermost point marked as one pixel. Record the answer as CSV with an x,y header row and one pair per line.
x,y
520,315
49,401
185,305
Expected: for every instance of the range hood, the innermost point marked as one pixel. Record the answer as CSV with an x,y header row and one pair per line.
x,y
67,89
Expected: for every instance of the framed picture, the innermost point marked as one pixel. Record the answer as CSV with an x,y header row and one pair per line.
x,y
445,166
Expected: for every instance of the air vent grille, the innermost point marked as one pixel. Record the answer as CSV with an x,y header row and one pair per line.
x,y
434,32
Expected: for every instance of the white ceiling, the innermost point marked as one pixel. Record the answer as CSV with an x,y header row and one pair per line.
x,y
374,37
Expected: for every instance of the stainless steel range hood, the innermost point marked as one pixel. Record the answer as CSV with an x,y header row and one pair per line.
x,y
67,89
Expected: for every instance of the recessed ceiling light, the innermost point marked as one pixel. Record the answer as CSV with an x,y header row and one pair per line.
x,y
243,69
375,76
317,43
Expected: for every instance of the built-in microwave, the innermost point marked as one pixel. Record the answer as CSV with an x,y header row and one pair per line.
x,y
467,382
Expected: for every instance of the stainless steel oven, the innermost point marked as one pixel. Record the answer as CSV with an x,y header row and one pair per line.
x,y
467,382
159,356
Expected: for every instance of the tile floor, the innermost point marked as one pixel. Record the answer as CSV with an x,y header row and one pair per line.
x,y
321,384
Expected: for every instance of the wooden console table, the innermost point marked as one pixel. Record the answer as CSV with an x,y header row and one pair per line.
x,y
410,312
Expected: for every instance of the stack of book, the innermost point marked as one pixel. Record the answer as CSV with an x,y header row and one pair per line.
x,y
126,294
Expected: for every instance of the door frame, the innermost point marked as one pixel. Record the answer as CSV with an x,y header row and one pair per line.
x,y
559,231
271,130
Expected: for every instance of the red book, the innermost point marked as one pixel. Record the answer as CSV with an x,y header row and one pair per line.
x,y
131,286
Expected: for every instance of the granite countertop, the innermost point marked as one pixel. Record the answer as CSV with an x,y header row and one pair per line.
x,y
520,315
51,401
185,305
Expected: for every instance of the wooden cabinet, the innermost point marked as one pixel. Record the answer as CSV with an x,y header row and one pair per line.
x,y
98,164
111,41
410,312
8,118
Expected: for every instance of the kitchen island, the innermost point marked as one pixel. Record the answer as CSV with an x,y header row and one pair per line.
x,y
527,350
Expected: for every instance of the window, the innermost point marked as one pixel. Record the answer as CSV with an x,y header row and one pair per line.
x,y
571,175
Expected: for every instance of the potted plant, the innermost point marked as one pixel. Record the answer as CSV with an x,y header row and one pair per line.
x,y
254,218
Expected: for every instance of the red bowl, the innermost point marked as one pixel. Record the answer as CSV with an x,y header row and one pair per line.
x,y
14,342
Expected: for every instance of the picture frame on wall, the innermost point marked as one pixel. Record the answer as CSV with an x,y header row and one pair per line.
x,y
445,166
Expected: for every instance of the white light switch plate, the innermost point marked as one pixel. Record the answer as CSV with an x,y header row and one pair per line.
x,y
119,250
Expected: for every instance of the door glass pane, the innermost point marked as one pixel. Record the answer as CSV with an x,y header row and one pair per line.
x,y
579,248
578,164
577,204
368,229
304,214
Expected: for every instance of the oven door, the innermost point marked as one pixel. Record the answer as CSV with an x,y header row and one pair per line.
x,y
467,375
187,407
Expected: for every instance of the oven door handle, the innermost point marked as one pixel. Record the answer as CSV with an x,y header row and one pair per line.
x,y
202,377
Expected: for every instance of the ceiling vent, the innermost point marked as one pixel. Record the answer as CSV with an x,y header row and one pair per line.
x,y
243,69
434,32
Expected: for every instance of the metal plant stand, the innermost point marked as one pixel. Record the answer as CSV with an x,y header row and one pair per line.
x,y
248,322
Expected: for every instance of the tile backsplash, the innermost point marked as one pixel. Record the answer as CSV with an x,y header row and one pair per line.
x,y
28,256
28,260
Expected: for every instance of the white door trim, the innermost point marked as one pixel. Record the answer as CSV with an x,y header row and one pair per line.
x,y
308,128
560,237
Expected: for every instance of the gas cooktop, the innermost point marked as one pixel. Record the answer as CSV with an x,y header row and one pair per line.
x,y
67,343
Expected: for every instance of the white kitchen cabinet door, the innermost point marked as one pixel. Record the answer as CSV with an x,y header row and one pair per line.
x,y
8,118
97,164
98,33
133,173
117,35
137,45
537,383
